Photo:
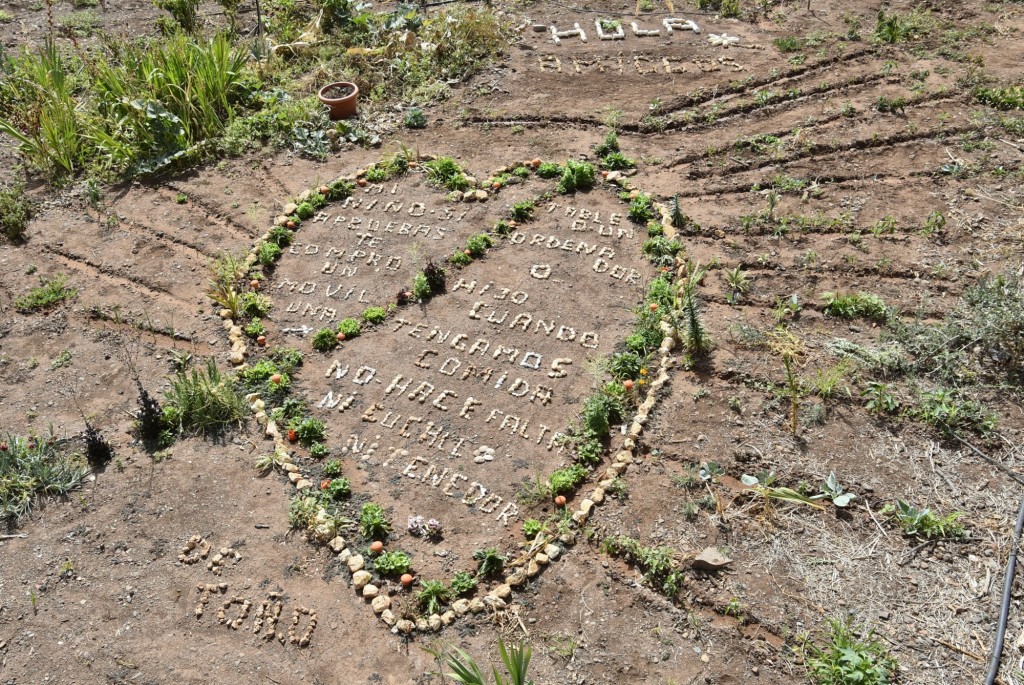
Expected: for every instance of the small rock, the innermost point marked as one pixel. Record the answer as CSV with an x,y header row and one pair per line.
x,y
290,208
388,617
496,603
337,544
476,605
539,28
448,618
460,607
533,568
541,559
597,496
552,551
516,579
421,624
711,559
504,591
380,603
361,579
371,591
481,195
355,563
303,485
434,622
405,626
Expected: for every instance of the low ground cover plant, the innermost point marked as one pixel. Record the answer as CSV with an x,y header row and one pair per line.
x,y
35,467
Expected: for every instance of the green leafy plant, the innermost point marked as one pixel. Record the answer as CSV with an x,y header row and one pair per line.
x,y
392,563
660,568
566,479
374,315
860,305
432,596
48,295
549,170
254,304
662,251
846,658
879,398
255,328
34,467
338,488
267,252
332,468
185,12
575,176
489,562
477,244
373,523
15,211
949,411
325,340
616,161
415,118
309,430
466,671
532,528
350,327
445,171
833,491
641,209
523,211
463,583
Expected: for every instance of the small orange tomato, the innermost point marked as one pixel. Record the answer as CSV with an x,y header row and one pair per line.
x,y
324,190
560,501
535,162
468,252
413,165
604,174
275,379
289,224
376,546
627,384
292,435
261,341
407,579
496,185
340,336
513,223
654,306
361,182
324,484
254,284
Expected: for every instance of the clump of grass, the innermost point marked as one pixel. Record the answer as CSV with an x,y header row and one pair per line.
x,y
374,315
446,172
373,522
49,294
15,212
489,562
203,401
34,467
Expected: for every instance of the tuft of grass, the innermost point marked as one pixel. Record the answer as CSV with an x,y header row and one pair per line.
x,y
35,467
446,172
203,402
49,294
15,212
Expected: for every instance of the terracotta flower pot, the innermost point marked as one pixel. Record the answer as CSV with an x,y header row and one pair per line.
x,y
341,107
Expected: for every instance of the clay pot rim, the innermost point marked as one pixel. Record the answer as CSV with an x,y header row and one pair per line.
x,y
338,84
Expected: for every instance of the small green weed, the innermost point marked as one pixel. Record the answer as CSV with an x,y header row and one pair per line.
x,y
48,295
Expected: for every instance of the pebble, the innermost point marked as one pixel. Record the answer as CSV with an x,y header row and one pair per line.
x,y
355,563
361,579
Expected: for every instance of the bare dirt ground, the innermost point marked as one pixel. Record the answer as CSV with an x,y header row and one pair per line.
x,y
94,590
